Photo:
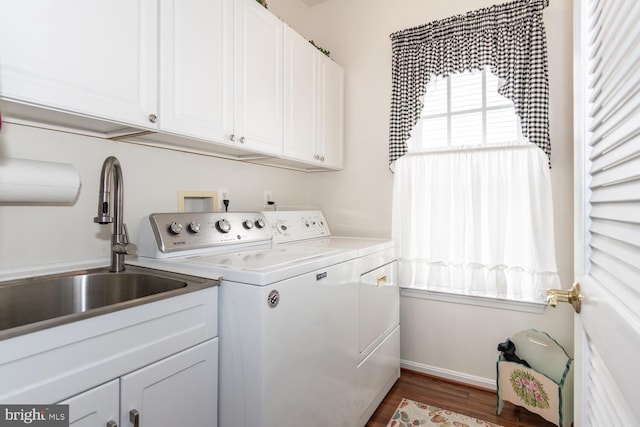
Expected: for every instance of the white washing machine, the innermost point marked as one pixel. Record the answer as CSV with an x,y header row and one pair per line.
x,y
299,341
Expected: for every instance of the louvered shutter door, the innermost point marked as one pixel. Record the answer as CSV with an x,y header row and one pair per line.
x,y
608,38
614,124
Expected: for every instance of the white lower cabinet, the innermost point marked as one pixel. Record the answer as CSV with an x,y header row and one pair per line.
x,y
99,406
181,390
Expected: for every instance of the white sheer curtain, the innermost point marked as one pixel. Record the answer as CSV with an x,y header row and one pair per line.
x,y
476,221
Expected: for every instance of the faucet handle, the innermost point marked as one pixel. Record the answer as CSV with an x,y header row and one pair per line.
x,y
125,229
124,246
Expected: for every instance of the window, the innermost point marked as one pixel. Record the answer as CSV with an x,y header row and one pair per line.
x,y
472,199
472,205
465,109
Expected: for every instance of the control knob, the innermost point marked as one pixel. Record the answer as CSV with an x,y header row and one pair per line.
x,y
194,227
223,225
248,224
260,223
175,228
281,227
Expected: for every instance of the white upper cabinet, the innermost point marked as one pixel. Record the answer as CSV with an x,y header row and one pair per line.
x,y
221,74
313,104
301,95
332,101
96,59
258,67
206,76
196,68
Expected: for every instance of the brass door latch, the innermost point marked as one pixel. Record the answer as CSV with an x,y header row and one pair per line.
x,y
571,296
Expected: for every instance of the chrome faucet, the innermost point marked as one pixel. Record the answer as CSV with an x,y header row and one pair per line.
x,y
120,237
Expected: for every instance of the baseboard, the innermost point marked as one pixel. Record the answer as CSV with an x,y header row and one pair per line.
x,y
484,383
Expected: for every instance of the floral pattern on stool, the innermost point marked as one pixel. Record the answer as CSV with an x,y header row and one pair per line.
x,y
530,390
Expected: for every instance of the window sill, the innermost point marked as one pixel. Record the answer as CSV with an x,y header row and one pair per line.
x,y
503,304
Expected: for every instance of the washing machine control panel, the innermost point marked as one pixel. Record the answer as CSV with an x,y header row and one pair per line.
x,y
292,226
179,232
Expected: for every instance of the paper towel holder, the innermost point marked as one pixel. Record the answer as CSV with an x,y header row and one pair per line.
x,y
24,181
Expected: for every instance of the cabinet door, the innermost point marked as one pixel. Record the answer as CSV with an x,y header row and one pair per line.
x,y
332,129
196,68
258,72
95,58
301,101
181,390
96,407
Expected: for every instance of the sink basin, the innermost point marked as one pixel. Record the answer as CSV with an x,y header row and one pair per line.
x,y
31,304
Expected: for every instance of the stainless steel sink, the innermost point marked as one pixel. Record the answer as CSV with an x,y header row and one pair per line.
x,y
31,304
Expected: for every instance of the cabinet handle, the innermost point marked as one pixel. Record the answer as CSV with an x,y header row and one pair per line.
x,y
322,158
112,424
232,137
242,140
153,118
134,417
317,157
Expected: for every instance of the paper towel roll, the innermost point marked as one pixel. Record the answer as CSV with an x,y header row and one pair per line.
x,y
35,181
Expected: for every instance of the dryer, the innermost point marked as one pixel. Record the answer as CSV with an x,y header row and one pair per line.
x,y
378,298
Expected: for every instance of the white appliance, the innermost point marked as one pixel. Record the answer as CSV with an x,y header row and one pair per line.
x,y
378,365
308,323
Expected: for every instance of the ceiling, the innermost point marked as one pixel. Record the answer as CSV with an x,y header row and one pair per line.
x,y
313,2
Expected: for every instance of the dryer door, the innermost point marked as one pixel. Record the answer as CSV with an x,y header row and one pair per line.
x,y
379,305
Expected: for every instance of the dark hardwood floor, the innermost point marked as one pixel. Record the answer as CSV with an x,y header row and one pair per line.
x,y
457,397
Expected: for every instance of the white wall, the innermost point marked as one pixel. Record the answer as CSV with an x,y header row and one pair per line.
x,y
294,13
37,235
436,336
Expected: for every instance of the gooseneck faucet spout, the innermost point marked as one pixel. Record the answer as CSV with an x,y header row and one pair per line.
x,y
112,173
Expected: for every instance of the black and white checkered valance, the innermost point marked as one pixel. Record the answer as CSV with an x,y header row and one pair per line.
x,y
508,38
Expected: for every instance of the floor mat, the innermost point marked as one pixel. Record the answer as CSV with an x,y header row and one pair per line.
x,y
410,414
